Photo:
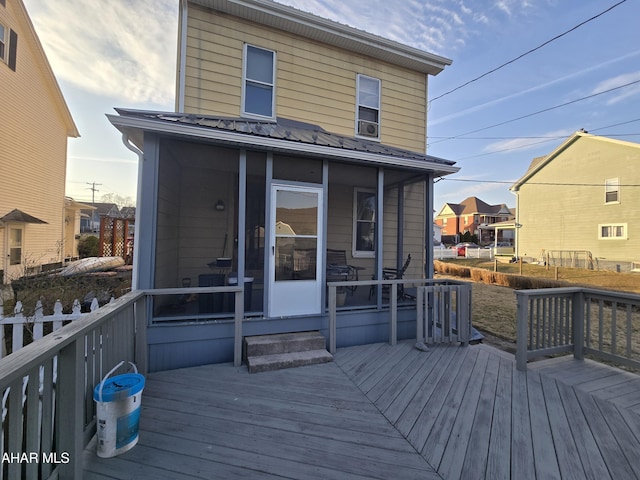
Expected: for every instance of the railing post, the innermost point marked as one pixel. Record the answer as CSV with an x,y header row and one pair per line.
x,y
521,332
332,319
393,327
141,355
237,336
70,400
420,314
577,324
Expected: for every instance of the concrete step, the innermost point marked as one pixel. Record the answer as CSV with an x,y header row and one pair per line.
x,y
265,363
283,343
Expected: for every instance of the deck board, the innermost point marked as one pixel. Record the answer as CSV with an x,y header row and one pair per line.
x,y
381,411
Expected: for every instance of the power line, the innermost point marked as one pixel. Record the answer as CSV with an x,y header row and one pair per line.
x,y
552,184
527,53
538,112
93,190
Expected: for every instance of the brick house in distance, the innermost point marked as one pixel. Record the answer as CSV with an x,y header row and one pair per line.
x,y
471,216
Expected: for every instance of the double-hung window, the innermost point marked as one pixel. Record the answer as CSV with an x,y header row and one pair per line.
x,y
258,82
3,43
364,223
8,46
368,108
616,231
612,190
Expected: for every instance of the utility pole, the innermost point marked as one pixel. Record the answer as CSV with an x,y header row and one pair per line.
x,y
93,201
93,190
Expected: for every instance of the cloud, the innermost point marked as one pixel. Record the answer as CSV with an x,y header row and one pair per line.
x,y
116,48
523,144
623,93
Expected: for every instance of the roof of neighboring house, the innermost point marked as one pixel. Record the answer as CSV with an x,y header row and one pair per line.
x,y
71,203
19,216
43,63
128,212
473,205
284,135
289,19
104,208
539,162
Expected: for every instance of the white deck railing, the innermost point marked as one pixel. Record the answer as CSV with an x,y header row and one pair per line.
x,y
600,323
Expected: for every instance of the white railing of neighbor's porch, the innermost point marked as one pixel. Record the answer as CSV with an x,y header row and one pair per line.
x,y
454,306
600,323
62,369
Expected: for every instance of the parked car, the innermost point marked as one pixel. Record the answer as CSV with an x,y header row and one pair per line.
x,y
461,248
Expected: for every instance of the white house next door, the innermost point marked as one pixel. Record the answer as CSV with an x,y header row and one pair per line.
x,y
296,245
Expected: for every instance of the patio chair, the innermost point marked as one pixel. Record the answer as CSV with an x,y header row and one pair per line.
x,y
338,270
392,274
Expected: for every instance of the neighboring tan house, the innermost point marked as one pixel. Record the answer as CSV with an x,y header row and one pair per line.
x,y
35,126
582,197
471,216
73,215
301,138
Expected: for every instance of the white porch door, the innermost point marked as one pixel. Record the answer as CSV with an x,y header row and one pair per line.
x,y
296,245
13,265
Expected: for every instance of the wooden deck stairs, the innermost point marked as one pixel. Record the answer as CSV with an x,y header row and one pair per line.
x,y
286,350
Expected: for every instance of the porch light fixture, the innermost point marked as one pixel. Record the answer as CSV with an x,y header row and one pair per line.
x,y
220,206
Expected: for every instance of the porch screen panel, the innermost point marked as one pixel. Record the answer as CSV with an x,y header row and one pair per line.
x,y
296,235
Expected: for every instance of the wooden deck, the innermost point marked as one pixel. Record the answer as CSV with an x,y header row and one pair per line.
x,y
387,412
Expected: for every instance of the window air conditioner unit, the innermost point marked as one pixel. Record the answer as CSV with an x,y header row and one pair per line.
x,y
367,129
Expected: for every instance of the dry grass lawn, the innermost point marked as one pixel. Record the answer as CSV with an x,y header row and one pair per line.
x,y
494,306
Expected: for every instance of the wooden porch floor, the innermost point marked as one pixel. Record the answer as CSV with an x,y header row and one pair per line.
x,y
387,412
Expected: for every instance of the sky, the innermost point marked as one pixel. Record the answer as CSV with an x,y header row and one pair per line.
x,y
122,53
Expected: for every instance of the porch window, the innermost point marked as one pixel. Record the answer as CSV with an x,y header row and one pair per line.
x,y
364,223
15,246
368,108
612,190
612,232
258,82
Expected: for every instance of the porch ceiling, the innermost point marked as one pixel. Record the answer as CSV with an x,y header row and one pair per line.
x,y
285,136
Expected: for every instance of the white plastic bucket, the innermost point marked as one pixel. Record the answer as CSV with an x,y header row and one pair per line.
x,y
118,402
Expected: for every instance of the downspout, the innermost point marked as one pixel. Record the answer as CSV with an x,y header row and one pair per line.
x,y
182,55
136,235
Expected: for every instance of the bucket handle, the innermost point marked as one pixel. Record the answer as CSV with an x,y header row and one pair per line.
x,y
135,369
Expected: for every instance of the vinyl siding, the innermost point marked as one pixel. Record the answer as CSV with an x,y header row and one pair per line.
x,y
566,217
315,83
33,147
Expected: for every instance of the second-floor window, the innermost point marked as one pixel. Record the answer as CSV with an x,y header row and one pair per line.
x,y
258,82
368,108
8,46
612,190
3,43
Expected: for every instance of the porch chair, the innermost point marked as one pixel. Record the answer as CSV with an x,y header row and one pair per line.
x,y
338,270
392,274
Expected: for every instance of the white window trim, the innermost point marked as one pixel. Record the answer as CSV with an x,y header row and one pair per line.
x,y
358,77
360,253
244,113
625,230
612,182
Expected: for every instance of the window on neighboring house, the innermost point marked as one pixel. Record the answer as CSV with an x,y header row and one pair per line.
x,y
258,83
15,246
8,46
617,231
444,221
364,223
368,108
612,190
3,43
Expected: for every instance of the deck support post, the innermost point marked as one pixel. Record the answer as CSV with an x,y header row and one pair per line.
x,y
577,320
332,319
521,333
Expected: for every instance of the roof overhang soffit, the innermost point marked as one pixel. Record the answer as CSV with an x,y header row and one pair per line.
x,y
134,128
